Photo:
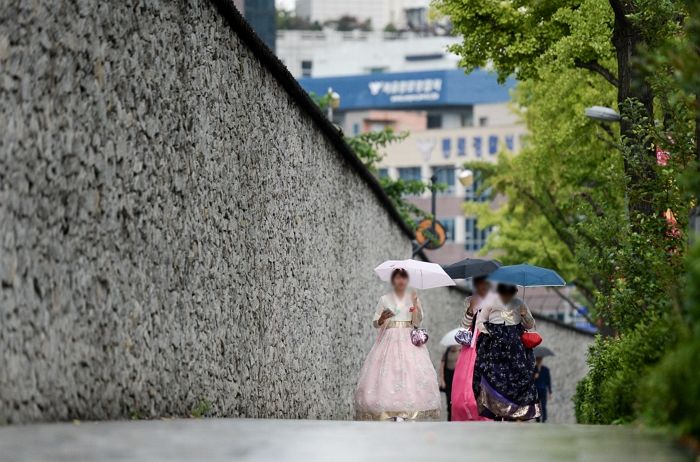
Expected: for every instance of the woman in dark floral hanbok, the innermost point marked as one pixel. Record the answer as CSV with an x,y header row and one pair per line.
x,y
503,379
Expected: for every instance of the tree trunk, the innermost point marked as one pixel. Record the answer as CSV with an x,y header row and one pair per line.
x,y
632,85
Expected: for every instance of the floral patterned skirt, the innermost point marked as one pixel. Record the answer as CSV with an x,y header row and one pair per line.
x,y
397,380
503,382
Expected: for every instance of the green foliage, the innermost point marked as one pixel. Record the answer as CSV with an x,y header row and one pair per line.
x,y
561,222
522,37
201,409
610,393
287,20
590,199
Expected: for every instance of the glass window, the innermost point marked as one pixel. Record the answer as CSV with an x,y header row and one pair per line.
x,y
306,68
493,145
483,121
434,121
467,118
445,175
449,225
471,191
461,146
446,147
410,173
383,173
474,237
355,128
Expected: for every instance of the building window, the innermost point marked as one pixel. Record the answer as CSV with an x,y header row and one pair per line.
x,y
410,173
493,145
355,128
449,225
446,147
376,127
461,147
445,175
377,70
306,68
434,120
424,57
483,121
471,193
383,173
467,118
474,237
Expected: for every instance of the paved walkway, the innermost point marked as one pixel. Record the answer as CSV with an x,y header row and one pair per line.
x,y
235,440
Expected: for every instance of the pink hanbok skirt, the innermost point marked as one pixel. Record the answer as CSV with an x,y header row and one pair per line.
x,y
397,380
463,401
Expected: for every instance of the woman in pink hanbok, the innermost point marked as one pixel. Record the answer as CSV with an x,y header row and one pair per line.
x,y
397,381
463,401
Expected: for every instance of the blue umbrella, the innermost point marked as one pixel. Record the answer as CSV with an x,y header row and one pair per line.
x,y
527,276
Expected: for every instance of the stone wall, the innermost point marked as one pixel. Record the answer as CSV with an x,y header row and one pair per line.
x,y
567,367
175,231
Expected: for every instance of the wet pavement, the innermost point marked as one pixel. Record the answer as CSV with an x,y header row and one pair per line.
x,y
298,440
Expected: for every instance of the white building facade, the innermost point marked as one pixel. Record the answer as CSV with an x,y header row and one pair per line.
x,y
330,53
380,12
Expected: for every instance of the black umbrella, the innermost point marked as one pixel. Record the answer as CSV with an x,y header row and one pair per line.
x,y
542,351
471,268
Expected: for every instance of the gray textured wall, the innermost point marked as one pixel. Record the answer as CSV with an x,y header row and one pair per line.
x,y
567,367
173,229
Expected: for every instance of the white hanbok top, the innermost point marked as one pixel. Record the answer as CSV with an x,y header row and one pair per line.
x,y
400,306
496,312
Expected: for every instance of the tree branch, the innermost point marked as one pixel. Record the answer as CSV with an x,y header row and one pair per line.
x,y
596,208
596,67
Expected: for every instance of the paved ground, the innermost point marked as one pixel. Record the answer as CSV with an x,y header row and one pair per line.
x,y
309,441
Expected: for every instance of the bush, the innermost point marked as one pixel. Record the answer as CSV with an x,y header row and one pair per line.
x,y
671,392
618,366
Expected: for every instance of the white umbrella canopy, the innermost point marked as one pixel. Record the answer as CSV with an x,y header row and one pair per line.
x,y
421,274
448,339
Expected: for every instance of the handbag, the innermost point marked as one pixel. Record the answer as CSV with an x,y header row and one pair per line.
x,y
464,337
419,336
530,339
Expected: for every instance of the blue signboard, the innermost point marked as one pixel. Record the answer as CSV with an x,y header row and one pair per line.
x,y
408,90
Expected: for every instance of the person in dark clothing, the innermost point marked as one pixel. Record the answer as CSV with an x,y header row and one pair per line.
x,y
447,373
543,382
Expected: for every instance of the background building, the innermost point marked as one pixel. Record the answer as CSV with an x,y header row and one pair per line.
x,y
324,53
411,82
452,118
401,14
262,16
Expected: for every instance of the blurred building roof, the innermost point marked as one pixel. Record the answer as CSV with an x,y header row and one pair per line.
x,y
412,90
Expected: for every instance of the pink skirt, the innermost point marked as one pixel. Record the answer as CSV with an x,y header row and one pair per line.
x,y
397,380
463,401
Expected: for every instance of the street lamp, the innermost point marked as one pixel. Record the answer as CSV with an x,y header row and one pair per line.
x,y
466,179
602,114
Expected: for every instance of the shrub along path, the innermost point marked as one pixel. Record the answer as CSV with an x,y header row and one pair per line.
x,y
243,440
